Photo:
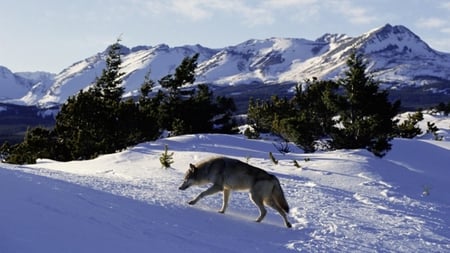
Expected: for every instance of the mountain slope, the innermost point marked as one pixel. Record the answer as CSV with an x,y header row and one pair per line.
x,y
395,56
12,85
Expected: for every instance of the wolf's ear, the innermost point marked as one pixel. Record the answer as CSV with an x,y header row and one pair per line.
x,y
192,167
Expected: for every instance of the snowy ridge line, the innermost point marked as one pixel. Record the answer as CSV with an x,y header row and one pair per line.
x,y
396,57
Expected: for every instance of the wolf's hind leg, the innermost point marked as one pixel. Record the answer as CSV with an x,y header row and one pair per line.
x,y
211,190
226,197
280,210
259,203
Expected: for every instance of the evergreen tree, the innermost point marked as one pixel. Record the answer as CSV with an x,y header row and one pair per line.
x,y
190,110
39,142
171,111
89,123
184,74
108,84
444,108
223,119
5,151
313,117
365,113
166,158
148,111
409,128
433,129
202,105
82,125
258,116
265,116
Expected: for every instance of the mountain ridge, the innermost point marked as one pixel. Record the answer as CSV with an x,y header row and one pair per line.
x,y
395,56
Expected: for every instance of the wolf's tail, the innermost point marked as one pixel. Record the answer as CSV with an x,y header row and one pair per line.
x,y
278,196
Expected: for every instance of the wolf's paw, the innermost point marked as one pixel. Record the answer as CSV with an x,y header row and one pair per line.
x,y
192,202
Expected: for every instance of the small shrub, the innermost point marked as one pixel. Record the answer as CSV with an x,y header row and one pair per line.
x,y
166,159
433,129
283,147
251,133
296,164
409,128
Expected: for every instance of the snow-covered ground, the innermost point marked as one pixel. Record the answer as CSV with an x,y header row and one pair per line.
x,y
341,201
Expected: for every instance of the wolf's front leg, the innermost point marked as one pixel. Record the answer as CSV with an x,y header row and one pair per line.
x,y
211,190
226,196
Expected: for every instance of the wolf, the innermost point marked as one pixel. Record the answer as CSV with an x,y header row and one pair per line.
x,y
227,174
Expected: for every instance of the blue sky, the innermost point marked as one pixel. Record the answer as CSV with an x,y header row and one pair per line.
x,y
50,35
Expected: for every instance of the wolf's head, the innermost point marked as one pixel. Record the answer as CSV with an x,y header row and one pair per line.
x,y
190,178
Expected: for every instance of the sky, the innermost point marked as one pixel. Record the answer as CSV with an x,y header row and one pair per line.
x,y
51,35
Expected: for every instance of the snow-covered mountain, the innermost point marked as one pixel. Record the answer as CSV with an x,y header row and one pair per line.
x,y
12,85
395,56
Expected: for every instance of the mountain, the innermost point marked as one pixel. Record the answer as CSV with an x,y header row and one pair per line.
x,y
396,57
12,85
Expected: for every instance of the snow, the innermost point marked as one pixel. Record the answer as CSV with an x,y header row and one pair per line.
x,y
12,85
341,201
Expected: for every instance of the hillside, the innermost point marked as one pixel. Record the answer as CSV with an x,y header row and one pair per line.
x,y
396,57
341,201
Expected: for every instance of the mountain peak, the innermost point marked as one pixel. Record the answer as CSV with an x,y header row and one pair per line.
x,y
394,40
331,37
390,30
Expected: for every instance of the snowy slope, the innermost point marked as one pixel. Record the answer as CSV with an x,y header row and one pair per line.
x,y
40,83
12,85
136,63
395,56
341,201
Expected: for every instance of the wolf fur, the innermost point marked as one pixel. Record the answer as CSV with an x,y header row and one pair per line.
x,y
227,174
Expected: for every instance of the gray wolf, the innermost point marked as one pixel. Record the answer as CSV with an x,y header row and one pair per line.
x,y
227,174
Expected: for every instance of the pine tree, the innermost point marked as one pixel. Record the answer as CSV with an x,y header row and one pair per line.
x,y
222,120
5,151
108,84
265,116
166,158
365,113
190,110
148,110
409,128
89,123
172,109
184,74
313,117
433,129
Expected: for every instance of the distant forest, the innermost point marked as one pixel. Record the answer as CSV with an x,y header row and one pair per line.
x,y
16,119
